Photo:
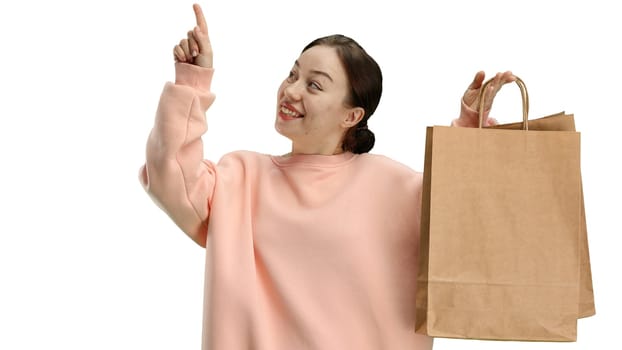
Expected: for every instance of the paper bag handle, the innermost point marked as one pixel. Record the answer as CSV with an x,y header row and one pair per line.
x,y
524,95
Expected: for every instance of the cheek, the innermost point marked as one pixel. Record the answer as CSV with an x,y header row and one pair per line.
x,y
333,110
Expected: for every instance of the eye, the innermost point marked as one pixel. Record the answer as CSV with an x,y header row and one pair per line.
x,y
291,77
314,85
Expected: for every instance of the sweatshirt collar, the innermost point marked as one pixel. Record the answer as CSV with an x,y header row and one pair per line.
x,y
314,159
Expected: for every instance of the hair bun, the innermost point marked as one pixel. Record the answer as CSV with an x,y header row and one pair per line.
x,y
364,140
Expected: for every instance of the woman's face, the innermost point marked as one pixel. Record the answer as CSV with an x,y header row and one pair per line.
x,y
311,109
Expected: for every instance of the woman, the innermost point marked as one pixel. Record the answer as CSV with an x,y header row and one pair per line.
x,y
315,249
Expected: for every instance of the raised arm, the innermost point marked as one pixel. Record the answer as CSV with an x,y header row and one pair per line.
x,y
469,116
175,174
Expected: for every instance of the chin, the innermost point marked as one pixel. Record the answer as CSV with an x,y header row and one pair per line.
x,y
280,130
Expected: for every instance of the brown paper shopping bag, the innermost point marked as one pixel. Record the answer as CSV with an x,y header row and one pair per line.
x,y
565,122
500,230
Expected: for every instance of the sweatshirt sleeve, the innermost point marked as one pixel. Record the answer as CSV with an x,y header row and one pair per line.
x,y
175,174
469,118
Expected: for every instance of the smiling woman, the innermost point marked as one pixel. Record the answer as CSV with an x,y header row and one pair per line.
x,y
329,103
315,249
359,94
87,261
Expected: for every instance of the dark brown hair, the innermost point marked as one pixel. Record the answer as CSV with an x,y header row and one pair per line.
x,y
365,79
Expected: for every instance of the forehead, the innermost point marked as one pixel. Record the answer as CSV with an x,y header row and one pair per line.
x,y
322,58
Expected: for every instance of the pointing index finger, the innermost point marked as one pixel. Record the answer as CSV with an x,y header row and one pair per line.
x,y
200,18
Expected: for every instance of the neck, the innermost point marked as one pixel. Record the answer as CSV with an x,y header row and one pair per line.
x,y
317,150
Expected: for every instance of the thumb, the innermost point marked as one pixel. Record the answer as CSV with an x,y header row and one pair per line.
x,y
471,94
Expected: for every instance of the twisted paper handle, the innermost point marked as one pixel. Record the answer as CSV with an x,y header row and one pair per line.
x,y
524,95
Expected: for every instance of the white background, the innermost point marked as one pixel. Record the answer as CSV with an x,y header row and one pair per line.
x,y
87,261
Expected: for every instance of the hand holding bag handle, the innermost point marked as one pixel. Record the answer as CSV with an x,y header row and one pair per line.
x,y
524,96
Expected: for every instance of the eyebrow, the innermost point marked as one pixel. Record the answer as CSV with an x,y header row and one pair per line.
x,y
317,72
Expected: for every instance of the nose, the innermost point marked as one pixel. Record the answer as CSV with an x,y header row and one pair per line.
x,y
293,91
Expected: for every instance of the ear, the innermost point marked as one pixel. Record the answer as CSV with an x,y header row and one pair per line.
x,y
353,117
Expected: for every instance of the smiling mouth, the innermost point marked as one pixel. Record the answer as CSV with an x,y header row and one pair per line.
x,y
290,113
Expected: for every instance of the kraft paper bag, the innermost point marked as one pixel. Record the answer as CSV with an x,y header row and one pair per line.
x,y
500,232
565,122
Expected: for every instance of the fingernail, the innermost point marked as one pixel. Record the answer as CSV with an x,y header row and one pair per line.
x,y
194,53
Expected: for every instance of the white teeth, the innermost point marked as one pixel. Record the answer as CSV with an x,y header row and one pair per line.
x,y
289,112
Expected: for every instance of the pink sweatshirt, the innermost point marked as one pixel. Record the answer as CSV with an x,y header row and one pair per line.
x,y
302,252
